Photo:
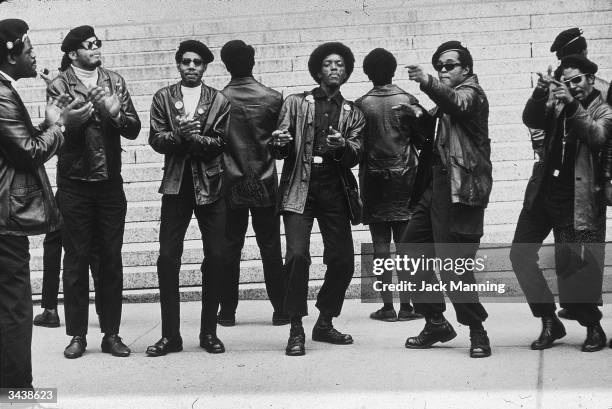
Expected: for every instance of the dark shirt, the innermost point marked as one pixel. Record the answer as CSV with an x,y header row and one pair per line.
x,y
327,113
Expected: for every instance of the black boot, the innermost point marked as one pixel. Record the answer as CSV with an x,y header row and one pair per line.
x,y
296,344
324,331
595,340
552,329
436,330
480,346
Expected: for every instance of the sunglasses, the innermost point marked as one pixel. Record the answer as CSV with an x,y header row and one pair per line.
x,y
89,45
448,66
576,79
196,61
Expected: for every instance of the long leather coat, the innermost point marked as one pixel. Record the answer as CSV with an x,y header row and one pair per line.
x,y
591,128
250,169
204,153
388,167
464,146
297,116
27,205
92,151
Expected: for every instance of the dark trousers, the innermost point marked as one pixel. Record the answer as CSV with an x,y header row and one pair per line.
x,y
15,313
176,212
437,220
266,223
381,239
52,257
94,212
576,286
327,203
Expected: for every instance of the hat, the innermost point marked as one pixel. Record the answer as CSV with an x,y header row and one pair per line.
x,y
194,46
12,35
380,64
76,36
464,54
238,57
568,42
325,49
580,62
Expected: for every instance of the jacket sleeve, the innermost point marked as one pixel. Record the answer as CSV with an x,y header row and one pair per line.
x,y
594,132
212,143
351,154
286,120
129,122
161,136
534,114
461,101
25,147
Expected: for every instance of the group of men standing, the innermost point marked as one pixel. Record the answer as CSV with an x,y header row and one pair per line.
x,y
425,178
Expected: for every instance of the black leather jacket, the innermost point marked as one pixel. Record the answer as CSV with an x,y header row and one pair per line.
x,y
297,116
250,169
27,205
591,128
205,153
92,152
389,162
463,138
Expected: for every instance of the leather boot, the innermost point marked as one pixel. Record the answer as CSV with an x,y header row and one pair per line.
x,y
595,339
434,331
552,329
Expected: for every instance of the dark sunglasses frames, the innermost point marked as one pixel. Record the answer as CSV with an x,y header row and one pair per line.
x,y
196,61
89,45
448,66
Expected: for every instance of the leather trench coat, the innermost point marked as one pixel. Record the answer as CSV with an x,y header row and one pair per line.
x,y
204,152
297,116
27,205
591,128
388,167
250,169
92,152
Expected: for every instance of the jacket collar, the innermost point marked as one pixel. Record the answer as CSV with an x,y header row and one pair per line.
x,y
241,81
6,79
385,90
103,76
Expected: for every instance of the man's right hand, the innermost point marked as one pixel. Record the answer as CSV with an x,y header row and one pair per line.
x,y
76,113
281,137
544,81
410,109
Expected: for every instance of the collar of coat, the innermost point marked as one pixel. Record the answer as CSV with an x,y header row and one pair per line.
x,y
385,90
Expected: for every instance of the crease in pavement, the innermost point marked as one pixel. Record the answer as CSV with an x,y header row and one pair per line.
x,y
540,383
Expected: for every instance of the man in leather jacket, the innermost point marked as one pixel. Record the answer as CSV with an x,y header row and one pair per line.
x,y
318,137
388,168
27,206
565,195
252,183
189,122
450,212
90,189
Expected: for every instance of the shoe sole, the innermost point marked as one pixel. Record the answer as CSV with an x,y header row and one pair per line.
x,y
593,350
213,351
300,353
155,354
73,356
384,319
319,339
226,323
480,355
409,318
54,325
447,338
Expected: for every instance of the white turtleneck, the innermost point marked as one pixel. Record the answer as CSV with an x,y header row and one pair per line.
x,y
88,78
191,98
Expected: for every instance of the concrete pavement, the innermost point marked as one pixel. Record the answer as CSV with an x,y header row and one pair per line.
x,y
375,372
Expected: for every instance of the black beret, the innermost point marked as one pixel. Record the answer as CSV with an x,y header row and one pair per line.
x,y
580,62
466,56
194,46
325,49
12,31
76,36
379,61
238,56
565,38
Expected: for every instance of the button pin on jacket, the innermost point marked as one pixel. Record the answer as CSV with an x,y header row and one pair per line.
x,y
347,107
200,111
178,104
